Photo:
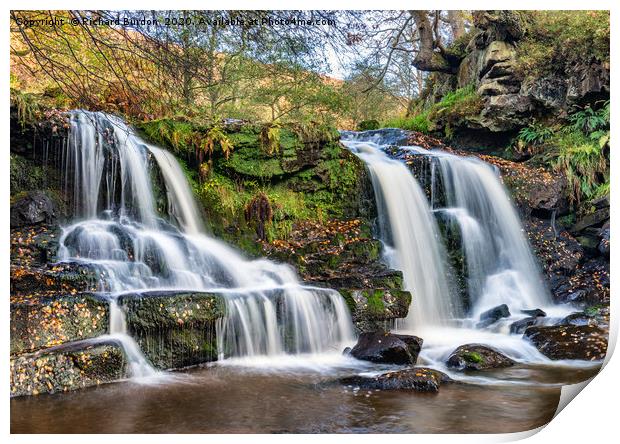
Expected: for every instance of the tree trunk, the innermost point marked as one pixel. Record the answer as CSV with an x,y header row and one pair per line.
x,y
427,59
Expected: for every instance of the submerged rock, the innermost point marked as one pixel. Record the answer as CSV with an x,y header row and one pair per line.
x,y
493,315
584,342
477,357
420,379
387,348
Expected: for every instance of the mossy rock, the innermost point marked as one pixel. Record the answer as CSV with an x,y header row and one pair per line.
x,y
174,330
477,357
42,322
374,310
66,369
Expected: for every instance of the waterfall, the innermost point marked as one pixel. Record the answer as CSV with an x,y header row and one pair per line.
x,y
135,249
407,226
500,266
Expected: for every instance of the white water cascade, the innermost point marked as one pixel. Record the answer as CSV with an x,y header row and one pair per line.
x,y
501,267
407,226
499,264
135,249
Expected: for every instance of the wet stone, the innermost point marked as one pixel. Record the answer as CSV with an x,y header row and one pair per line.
x,y
63,370
419,379
477,357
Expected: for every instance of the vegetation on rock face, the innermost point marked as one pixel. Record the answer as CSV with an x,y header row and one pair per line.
x,y
557,40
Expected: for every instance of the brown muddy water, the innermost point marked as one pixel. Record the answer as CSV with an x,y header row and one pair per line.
x,y
240,399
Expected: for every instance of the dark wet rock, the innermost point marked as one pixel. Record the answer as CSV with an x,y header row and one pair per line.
x,y
584,342
174,329
420,379
597,315
336,254
32,208
346,351
64,278
577,320
493,315
537,312
521,325
35,245
387,348
477,357
589,285
39,322
66,369
375,310
593,219
604,244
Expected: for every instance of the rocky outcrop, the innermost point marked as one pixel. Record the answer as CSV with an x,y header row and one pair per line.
x,y
32,208
174,329
376,310
387,348
66,369
510,100
584,342
419,379
337,254
477,357
43,322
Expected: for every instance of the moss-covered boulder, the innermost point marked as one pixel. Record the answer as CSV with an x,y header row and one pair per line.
x,y
477,357
65,369
39,322
174,329
376,310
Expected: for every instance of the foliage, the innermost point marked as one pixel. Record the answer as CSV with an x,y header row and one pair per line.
x,y
188,137
367,125
535,134
583,163
27,105
270,138
453,107
560,39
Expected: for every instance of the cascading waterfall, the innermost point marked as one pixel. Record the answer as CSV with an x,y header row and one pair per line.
x,y
120,233
407,226
500,266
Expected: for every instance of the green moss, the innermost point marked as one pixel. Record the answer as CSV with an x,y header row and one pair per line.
x,y
375,301
472,357
447,113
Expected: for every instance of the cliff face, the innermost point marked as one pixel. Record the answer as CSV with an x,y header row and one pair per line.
x,y
512,96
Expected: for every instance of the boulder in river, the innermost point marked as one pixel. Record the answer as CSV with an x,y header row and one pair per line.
x,y
536,313
420,379
493,315
387,348
477,357
585,342
519,326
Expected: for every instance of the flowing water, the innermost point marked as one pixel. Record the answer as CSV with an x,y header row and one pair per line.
x,y
120,233
500,266
280,342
